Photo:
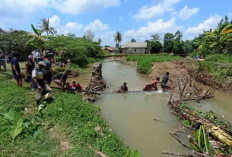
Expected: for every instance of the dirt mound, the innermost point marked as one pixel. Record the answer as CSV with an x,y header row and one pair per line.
x,y
178,72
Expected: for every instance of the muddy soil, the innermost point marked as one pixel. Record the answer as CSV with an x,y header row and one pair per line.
x,y
185,69
179,73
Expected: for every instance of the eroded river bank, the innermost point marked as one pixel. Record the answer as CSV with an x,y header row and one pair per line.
x,y
131,115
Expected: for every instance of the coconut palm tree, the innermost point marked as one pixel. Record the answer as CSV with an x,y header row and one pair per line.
x,y
45,27
118,38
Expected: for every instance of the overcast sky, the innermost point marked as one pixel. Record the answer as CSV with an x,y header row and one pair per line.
x,y
137,19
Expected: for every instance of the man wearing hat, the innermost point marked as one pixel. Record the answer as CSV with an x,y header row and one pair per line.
x,y
38,82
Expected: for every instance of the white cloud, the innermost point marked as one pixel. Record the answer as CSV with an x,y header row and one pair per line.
x,y
12,8
20,8
54,21
97,25
209,23
186,13
77,6
158,26
147,12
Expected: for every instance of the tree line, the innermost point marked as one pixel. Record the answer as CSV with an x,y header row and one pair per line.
x,y
79,50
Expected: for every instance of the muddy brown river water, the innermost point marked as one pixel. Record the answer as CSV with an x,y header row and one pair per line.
x,y
131,115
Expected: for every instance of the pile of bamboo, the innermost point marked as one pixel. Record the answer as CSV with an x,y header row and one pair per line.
x,y
218,137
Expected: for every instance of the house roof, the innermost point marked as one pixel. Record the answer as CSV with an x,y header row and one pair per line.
x,y
136,45
110,48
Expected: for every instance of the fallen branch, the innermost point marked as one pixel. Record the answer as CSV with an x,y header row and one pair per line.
x,y
174,136
97,152
176,154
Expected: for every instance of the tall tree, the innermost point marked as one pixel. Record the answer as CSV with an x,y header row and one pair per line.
x,y
156,47
133,40
155,37
89,35
99,41
118,38
168,42
45,27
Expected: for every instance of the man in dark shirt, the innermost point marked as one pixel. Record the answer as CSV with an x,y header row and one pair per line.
x,y
123,88
47,70
165,81
30,65
16,69
60,78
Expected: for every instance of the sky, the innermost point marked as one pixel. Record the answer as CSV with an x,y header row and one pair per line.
x,y
137,19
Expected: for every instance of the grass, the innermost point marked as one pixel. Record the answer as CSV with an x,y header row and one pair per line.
x,y
145,62
218,65
25,135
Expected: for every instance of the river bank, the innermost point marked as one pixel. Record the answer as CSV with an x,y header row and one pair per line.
x,y
131,115
68,126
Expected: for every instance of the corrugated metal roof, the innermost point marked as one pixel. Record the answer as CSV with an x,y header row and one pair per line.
x,y
136,45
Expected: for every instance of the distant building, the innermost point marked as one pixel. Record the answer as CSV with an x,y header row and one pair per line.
x,y
110,49
135,48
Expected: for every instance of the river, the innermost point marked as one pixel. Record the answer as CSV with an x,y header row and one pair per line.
x,y
131,115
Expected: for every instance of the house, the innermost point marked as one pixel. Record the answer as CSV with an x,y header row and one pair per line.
x,y
135,48
110,49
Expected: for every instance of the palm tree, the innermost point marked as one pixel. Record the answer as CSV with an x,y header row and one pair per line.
x,y
155,37
220,37
118,38
45,27
36,40
99,41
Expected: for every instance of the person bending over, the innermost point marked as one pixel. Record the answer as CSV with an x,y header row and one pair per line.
x,y
152,85
76,87
123,88
60,78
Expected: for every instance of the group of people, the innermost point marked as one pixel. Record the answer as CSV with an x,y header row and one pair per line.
x,y
41,76
150,86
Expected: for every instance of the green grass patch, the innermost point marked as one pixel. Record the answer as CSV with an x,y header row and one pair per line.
x,y
145,62
27,135
218,65
81,119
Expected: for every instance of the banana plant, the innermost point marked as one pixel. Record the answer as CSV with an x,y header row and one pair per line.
x,y
37,41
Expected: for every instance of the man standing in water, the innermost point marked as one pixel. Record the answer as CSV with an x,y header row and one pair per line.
x,y
16,69
123,88
164,82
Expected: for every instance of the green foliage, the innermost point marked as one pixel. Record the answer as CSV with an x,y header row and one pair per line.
x,y
81,118
15,40
156,47
131,154
79,50
212,65
145,62
186,122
